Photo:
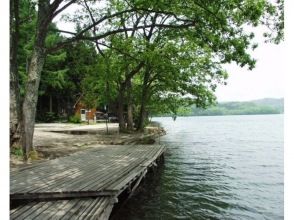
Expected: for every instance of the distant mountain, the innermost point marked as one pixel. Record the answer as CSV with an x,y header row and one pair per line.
x,y
275,103
261,106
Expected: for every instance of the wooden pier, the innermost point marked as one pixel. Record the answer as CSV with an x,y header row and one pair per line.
x,y
84,185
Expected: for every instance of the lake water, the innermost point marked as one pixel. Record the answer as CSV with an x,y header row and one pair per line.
x,y
217,167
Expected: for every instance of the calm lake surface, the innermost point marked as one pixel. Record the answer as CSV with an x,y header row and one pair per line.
x,y
217,167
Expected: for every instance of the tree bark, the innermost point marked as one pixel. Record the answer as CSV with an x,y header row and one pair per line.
x,y
142,116
34,75
15,114
31,98
142,113
130,121
120,113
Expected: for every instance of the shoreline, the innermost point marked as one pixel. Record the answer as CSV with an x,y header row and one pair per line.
x,y
54,140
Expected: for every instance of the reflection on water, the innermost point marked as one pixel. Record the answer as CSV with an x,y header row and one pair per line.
x,y
222,167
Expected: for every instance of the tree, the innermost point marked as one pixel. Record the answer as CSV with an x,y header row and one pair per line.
x,y
22,22
217,25
46,12
14,79
179,73
53,78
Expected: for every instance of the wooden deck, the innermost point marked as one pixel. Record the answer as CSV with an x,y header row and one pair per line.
x,y
83,185
83,208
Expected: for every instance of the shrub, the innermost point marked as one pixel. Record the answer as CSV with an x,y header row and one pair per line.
x,y
17,151
47,117
50,117
74,119
33,155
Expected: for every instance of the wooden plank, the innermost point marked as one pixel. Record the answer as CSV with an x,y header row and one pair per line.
x,y
64,182
66,163
102,174
136,172
33,180
89,178
59,165
49,211
154,157
40,207
88,208
113,177
91,213
17,211
81,208
86,177
76,158
61,195
87,212
121,183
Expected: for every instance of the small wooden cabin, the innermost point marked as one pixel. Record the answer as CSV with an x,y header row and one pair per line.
x,y
84,113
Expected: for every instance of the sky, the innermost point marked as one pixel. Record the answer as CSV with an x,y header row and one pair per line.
x,y
266,80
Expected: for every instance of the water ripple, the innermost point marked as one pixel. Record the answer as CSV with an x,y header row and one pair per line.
x,y
216,168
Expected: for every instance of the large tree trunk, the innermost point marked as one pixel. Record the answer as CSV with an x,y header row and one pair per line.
x,y
31,98
15,116
130,121
120,113
142,116
142,113
34,76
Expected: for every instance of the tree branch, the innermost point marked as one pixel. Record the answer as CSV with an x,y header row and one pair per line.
x,y
94,28
183,26
62,8
134,71
101,36
118,50
63,31
103,19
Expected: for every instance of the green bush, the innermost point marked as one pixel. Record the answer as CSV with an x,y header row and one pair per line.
x,y
74,119
17,151
47,117
50,117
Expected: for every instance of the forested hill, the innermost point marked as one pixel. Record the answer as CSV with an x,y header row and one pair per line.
x,y
261,106
275,103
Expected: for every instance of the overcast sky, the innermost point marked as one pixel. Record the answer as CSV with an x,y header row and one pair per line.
x,y
266,80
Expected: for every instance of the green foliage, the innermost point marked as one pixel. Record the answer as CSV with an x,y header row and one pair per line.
x,y
237,108
47,117
81,61
74,119
274,103
27,14
182,66
63,78
181,51
17,151
55,71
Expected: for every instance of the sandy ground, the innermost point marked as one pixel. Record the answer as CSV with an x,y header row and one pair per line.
x,y
52,140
